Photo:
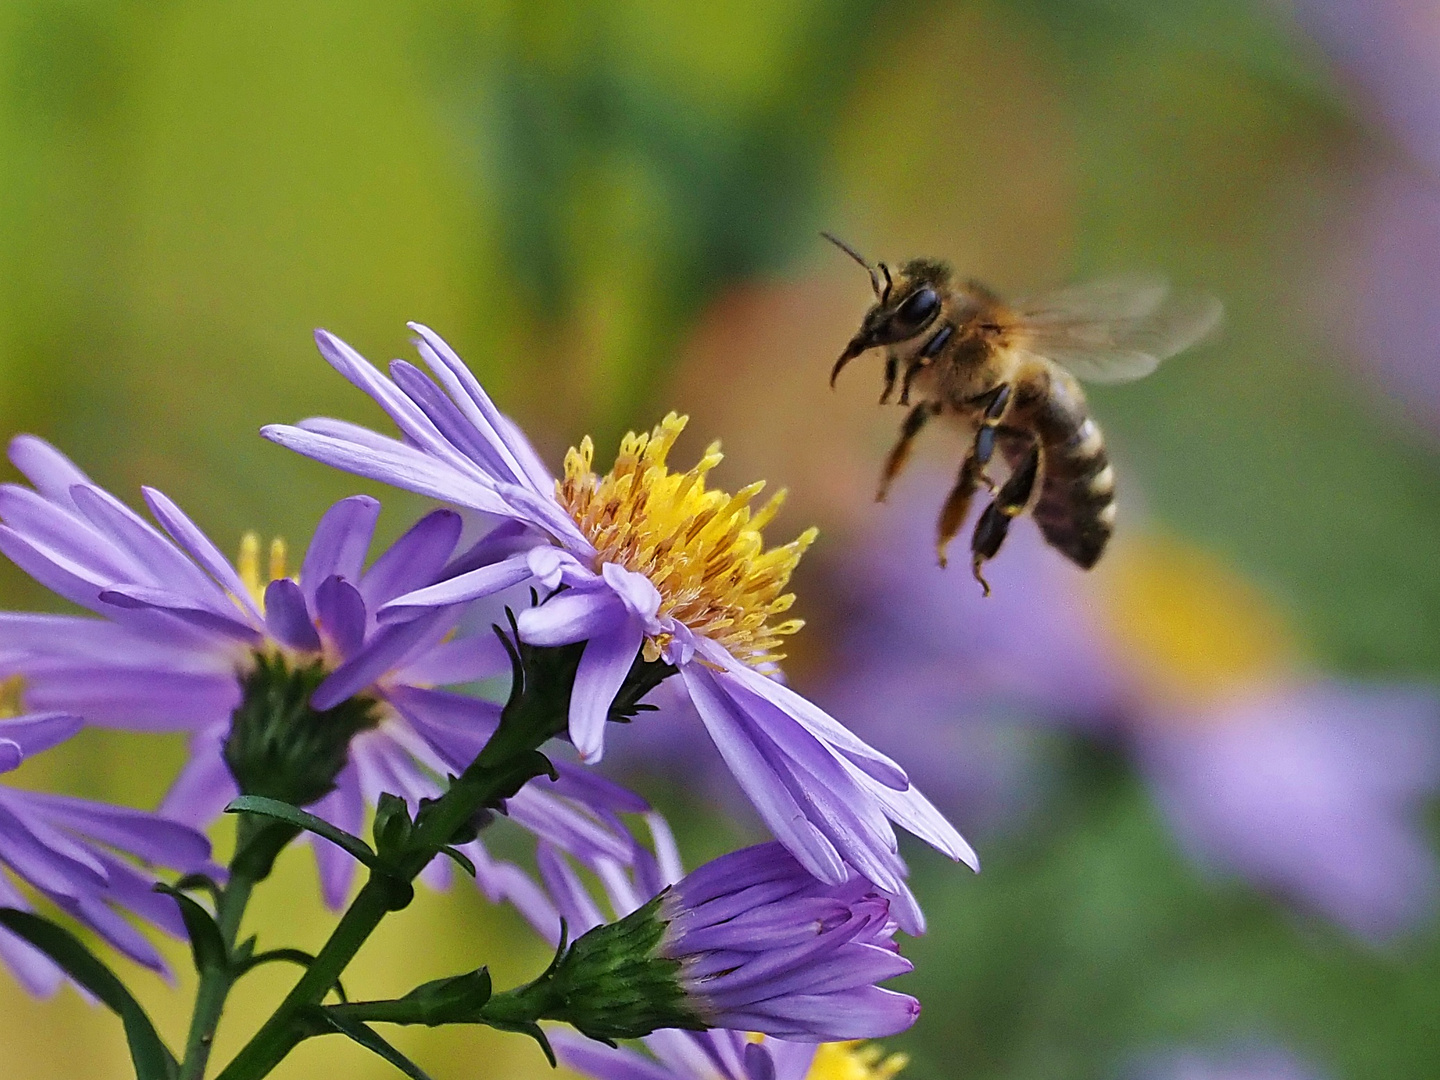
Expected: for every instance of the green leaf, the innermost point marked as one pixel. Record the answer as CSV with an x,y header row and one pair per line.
x,y
288,956
207,946
461,859
367,1037
152,1060
293,815
200,883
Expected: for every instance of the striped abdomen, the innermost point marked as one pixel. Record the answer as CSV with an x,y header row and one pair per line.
x,y
1076,505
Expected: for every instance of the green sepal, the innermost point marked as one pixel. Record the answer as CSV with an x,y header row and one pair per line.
x,y
536,1032
207,945
248,963
322,1021
151,1058
300,819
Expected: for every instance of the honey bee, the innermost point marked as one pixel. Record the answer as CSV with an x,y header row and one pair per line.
x,y
1007,371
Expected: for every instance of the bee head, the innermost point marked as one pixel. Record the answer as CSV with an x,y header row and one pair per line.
x,y
905,304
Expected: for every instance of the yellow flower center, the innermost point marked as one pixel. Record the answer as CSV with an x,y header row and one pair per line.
x,y
12,697
701,549
854,1061
1191,628
248,566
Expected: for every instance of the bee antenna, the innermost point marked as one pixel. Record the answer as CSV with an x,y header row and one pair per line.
x,y
848,250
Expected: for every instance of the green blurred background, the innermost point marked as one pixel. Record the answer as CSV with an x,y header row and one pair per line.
x,y
611,209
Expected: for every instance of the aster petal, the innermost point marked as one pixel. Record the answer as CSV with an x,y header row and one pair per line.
x,y
344,808
205,784
288,618
185,608
870,1012
485,581
912,811
457,726
61,576
598,677
820,723
571,897
386,649
603,1062
339,544
163,561
415,560
364,375
636,592
37,973
35,733
138,832
397,464
116,930
62,870
508,444
459,660
771,798
145,699
340,611
51,472
505,882
200,547
66,538
575,615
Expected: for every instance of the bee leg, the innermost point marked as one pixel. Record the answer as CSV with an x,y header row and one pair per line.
x,y
957,505
900,453
892,368
994,523
916,366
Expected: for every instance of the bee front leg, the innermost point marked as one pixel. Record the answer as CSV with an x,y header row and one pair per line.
x,y
892,369
900,453
917,365
994,523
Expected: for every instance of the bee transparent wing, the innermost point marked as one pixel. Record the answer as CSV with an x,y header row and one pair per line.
x,y
1117,329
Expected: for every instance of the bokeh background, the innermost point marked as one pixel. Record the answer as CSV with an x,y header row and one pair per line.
x,y
1199,779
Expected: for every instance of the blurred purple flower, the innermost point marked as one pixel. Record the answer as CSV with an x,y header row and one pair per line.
x,y
1251,1063
1390,52
69,850
650,561
1308,787
180,628
725,1055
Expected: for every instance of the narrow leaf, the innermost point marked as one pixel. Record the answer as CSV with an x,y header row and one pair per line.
x,y
368,1038
288,956
151,1058
207,946
293,815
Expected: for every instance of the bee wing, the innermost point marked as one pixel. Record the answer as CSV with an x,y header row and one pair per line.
x,y
1116,329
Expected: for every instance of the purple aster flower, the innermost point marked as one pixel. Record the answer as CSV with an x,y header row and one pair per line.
x,y
1311,788
651,561
70,851
182,633
761,944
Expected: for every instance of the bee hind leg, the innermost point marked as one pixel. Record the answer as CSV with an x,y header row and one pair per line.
x,y
994,523
957,504
900,453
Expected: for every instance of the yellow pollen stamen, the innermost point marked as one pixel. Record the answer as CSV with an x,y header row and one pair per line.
x,y
1191,627
702,549
854,1061
12,697
247,565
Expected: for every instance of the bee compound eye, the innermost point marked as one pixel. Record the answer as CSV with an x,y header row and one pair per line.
x,y
918,306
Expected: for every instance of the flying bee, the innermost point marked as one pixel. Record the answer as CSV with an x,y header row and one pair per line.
x,y
1007,372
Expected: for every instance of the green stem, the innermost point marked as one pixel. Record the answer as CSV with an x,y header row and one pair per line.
x,y
506,763
216,980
